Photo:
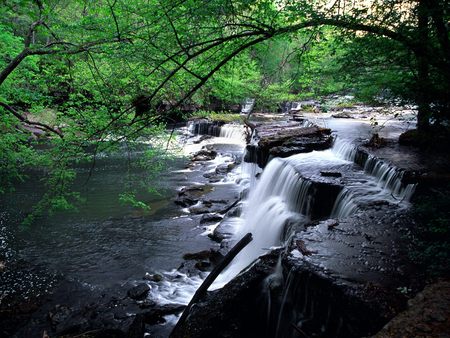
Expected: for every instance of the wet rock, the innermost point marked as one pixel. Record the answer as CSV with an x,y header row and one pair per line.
x,y
147,303
206,127
330,174
331,223
185,201
156,315
210,218
201,208
244,193
225,168
139,292
205,154
203,265
59,314
233,311
213,256
191,190
213,177
217,236
376,141
202,138
343,115
154,278
235,211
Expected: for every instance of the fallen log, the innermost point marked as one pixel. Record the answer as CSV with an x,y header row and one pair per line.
x,y
211,278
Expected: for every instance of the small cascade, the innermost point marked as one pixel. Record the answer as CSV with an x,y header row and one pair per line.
x,y
204,127
217,129
345,205
388,177
233,131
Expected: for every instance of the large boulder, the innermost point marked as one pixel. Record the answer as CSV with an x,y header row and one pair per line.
x,y
286,139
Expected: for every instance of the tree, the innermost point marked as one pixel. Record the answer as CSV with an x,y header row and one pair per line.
x,y
112,70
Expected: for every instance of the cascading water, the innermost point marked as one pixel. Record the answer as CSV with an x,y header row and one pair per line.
x,y
284,192
387,177
279,198
231,131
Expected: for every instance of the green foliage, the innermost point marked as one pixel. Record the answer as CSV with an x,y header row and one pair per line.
x,y
88,64
129,198
216,116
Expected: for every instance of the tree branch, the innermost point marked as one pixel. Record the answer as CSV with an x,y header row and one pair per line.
x,y
25,120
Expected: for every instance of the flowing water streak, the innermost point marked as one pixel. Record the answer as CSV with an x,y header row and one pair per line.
x,y
277,200
388,178
234,131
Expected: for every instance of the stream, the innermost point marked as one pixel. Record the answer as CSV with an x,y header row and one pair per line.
x,y
107,244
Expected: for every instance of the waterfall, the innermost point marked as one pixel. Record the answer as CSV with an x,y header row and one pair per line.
x,y
204,128
234,131
280,197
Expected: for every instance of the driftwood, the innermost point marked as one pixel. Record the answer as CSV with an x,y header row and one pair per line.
x,y
212,277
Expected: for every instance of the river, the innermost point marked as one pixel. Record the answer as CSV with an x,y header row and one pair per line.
x,y
106,243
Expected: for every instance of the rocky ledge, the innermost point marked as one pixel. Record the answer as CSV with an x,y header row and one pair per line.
x,y
285,139
343,278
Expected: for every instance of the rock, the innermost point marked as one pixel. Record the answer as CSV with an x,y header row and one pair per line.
x,y
331,223
203,265
224,168
154,278
200,209
59,314
185,201
147,303
210,218
191,190
135,327
342,115
330,174
213,256
283,140
205,254
202,138
376,141
206,154
156,315
139,292
233,310
428,314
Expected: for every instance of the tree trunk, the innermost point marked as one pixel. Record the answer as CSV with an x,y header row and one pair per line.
x,y
423,95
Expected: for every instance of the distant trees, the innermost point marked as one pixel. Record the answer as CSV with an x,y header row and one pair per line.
x,y
96,73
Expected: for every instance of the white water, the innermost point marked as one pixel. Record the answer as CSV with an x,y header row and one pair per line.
x,y
233,131
387,177
282,196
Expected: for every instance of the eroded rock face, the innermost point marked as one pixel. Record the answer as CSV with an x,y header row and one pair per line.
x,y
284,140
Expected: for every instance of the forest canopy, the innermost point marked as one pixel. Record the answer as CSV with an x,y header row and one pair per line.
x,y
97,74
